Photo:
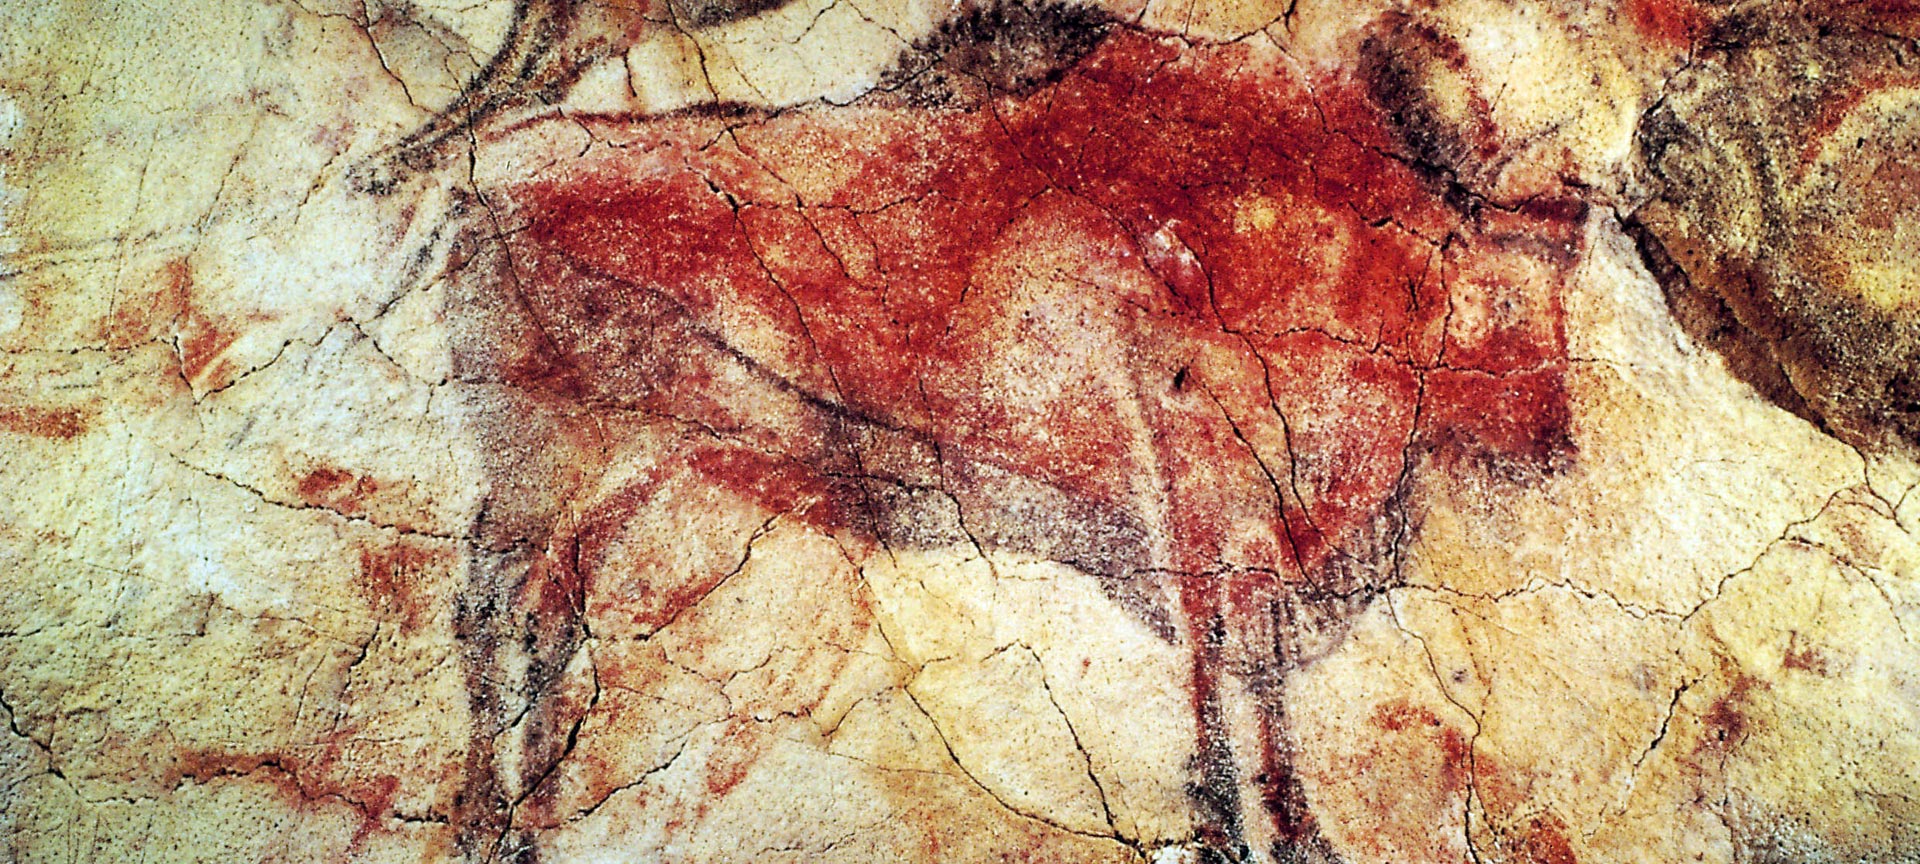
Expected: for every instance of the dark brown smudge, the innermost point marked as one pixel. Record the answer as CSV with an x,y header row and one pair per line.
x,y
1401,62
998,48
711,13
1755,237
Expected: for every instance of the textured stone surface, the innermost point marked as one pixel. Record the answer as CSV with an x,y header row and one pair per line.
x,y
839,430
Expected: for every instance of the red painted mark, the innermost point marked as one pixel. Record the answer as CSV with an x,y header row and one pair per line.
x,y
310,775
1225,242
1669,23
201,341
1180,288
780,486
171,314
1455,751
394,579
361,496
337,489
1833,110
1545,842
1896,12
1402,716
39,422
1806,657
1725,724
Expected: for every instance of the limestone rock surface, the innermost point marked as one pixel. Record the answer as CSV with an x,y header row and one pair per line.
x,y
990,430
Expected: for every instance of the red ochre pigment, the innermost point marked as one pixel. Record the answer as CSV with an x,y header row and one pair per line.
x,y
1264,315
1189,293
1669,23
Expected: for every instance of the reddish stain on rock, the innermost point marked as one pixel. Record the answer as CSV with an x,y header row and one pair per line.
x,y
337,489
1841,101
41,422
1725,723
201,341
316,775
1806,656
1228,240
1412,771
781,486
1544,841
1177,314
173,314
1403,716
203,347
1669,23
355,495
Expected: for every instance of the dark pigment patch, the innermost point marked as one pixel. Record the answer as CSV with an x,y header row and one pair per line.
x,y
549,44
1786,200
1403,62
995,49
1164,314
709,13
